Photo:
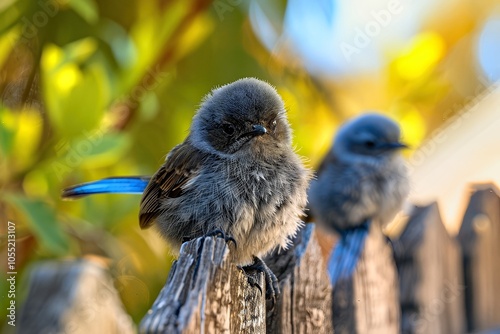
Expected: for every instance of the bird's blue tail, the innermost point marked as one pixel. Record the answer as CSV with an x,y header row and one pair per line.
x,y
115,185
346,253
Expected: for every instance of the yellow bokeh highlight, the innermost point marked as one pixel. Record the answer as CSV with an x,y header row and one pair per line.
x,y
413,125
52,57
7,119
68,76
290,101
202,26
324,130
313,129
421,56
28,131
35,184
81,50
63,64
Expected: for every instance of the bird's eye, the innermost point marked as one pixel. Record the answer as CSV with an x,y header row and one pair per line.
x,y
273,125
370,143
228,128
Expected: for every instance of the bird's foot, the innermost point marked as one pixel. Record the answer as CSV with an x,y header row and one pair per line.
x,y
272,284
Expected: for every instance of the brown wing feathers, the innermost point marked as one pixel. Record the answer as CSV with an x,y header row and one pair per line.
x,y
181,165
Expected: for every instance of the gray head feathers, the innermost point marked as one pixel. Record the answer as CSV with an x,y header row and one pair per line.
x,y
231,115
368,136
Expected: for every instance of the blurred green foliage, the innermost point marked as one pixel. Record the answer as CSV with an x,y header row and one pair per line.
x,y
91,89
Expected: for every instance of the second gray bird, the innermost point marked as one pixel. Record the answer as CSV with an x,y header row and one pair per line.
x,y
362,177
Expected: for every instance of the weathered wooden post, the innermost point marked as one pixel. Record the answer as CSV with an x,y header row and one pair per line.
x,y
73,297
305,303
205,292
430,275
367,302
479,238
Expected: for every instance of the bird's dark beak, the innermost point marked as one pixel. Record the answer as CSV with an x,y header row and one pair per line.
x,y
395,146
258,130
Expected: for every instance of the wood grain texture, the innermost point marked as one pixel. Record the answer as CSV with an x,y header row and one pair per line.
x,y
305,304
375,286
430,275
367,302
479,238
73,297
206,292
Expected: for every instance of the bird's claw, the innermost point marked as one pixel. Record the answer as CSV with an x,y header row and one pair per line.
x,y
253,282
220,234
272,284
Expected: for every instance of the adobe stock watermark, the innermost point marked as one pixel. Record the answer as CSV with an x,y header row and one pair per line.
x,y
460,113
223,6
449,294
11,273
152,79
47,10
72,157
364,36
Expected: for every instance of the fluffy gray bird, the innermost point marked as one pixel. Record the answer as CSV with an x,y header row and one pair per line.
x,y
236,172
362,178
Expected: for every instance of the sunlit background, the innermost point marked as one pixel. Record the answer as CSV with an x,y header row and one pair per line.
x,y
91,89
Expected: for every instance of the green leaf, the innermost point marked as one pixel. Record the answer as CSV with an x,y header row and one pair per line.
x,y
120,43
97,150
87,9
73,90
42,221
11,15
